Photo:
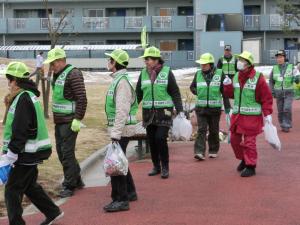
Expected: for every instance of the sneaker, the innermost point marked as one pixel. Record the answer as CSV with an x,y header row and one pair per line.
x,y
212,155
132,196
154,171
285,130
199,156
66,192
165,173
249,171
49,221
108,205
241,166
118,206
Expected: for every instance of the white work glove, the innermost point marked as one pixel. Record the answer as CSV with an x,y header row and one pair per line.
x,y
6,161
227,81
181,115
268,119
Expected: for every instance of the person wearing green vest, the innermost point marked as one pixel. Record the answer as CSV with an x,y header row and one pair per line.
x,y
228,62
69,104
252,108
25,145
121,108
159,93
208,87
282,79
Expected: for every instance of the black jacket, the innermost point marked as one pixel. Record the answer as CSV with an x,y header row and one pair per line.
x,y
208,77
24,127
161,117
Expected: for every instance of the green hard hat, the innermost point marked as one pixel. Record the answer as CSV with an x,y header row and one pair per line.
x,y
119,55
247,56
206,58
17,69
151,52
54,54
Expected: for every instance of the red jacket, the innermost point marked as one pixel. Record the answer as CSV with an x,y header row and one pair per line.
x,y
245,124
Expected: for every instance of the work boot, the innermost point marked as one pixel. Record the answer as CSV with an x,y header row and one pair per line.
x,y
66,192
165,171
132,196
241,166
154,171
109,205
51,220
118,206
249,171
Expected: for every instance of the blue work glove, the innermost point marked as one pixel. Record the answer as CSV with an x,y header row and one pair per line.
x,y
6,162
76,124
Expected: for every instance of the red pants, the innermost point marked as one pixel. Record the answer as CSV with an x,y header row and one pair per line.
x,y
244,147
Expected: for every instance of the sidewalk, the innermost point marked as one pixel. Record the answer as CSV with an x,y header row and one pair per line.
x,y
209,192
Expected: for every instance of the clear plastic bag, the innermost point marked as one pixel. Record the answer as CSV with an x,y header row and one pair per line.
x,y
271,136
182,129
115,161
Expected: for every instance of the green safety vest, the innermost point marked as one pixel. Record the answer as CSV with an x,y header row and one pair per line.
x,y
228,67
110,104
209,96
42,141
244,101
60,104
156,95
283,82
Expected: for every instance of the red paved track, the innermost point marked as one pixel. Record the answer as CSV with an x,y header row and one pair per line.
x,y
209,192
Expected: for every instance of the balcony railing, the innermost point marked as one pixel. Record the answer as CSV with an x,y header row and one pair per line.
x,y
190,21
252,21
277,20
66,23
95,23
161,22
134,22
17,23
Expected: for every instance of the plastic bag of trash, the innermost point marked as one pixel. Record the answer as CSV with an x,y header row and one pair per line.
x,y
271,136
115,161
182,129
4,171
297,91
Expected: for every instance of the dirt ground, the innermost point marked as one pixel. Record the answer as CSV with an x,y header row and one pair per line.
x,y
90,138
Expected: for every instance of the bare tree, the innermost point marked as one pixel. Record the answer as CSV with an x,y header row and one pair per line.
x,y
55,27
290,12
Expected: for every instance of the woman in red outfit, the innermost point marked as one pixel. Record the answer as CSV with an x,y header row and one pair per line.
x,y
252,106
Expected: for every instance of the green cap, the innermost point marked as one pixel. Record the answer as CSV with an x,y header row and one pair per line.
x,y
247,56
206,58
17,69
151,52
54,54
119,55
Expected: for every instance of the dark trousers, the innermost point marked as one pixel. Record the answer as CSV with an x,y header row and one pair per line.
x,y
284,106
157,137
23,180
65,147
212,123
121,186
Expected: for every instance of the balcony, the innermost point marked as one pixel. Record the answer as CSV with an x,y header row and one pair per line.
x,y
134,22
95,23
252,22
173,23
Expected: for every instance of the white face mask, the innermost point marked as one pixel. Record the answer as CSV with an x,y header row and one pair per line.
x,y
240,65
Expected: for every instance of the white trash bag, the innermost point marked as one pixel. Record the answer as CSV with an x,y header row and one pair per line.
x,y
115,161
271,136
182,129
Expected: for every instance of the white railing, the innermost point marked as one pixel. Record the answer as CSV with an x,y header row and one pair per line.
x,y
95,23
252,21
66,23
134,22
161,22
17,23
277,20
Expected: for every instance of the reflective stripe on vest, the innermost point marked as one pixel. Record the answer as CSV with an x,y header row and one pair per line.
x,y
283,82
209,96
244,101
156,95
42,141
228,67
60,104
110,105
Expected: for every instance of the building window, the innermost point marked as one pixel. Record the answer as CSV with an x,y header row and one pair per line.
x,y
58,13
122,42
166,12
168,45
31,13
185,11
185,45
94,42
93,13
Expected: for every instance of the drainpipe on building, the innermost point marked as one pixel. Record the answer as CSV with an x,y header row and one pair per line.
x,y
265,34
3,16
